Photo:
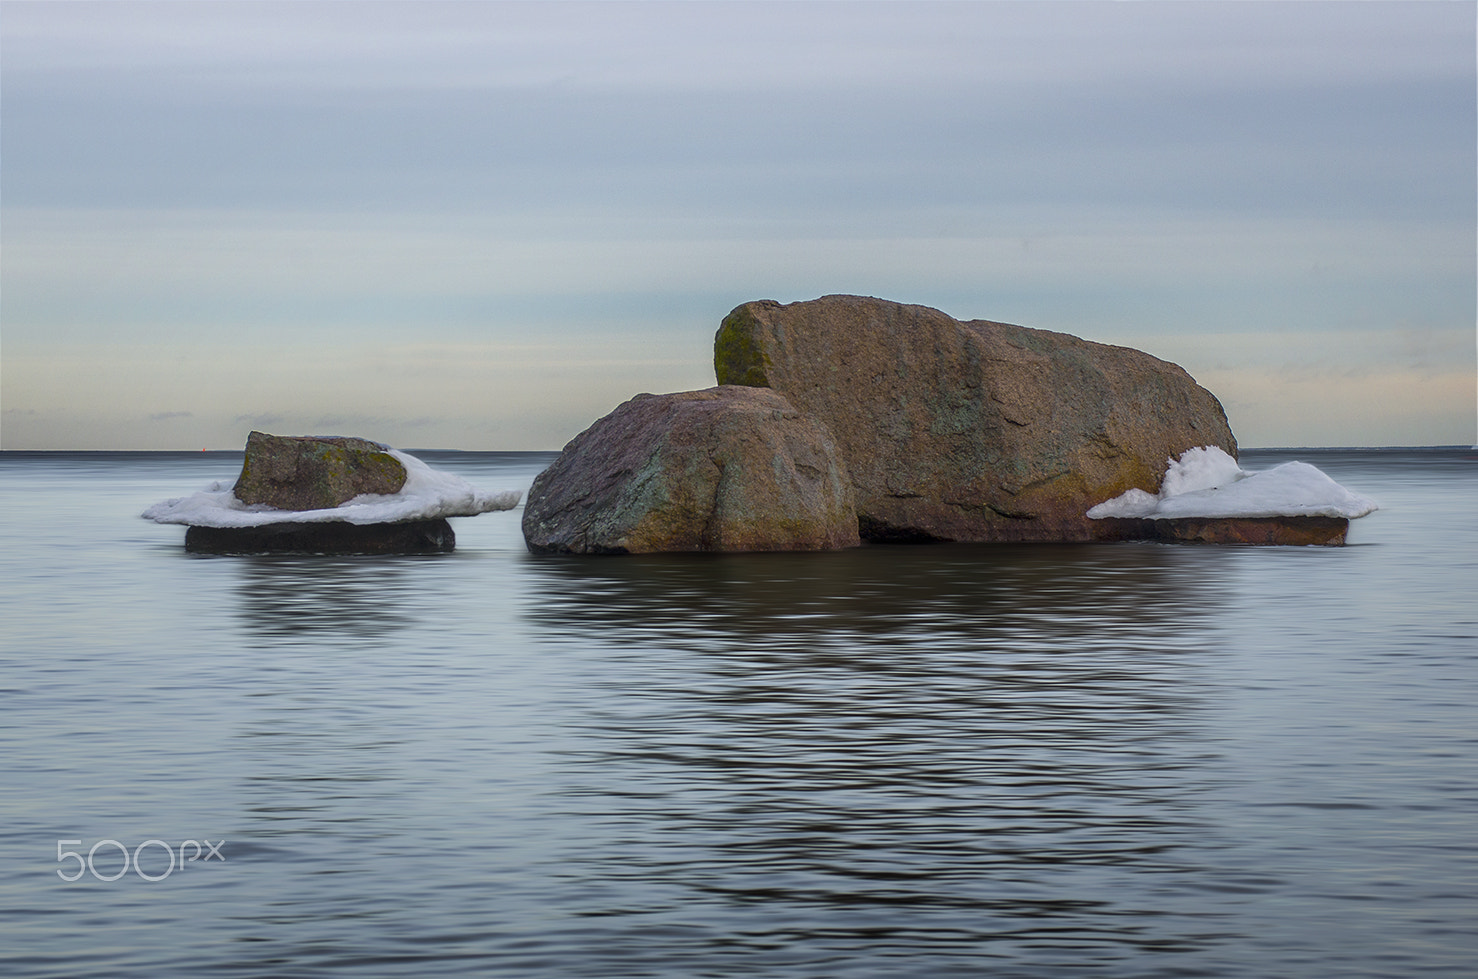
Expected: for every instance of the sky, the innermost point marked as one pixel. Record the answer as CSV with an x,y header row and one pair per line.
x,y
484,225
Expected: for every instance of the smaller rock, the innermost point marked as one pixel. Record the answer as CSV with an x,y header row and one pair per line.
x,y
307,495
307,472
723,469
329,537
1206,497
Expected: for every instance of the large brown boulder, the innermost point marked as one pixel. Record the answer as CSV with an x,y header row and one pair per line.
x,y
724,469
306,472
971,431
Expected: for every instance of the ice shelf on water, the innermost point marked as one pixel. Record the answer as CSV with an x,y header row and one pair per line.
x,y
428,493
1206,482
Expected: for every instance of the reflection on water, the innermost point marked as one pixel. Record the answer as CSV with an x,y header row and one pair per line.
x,y
325,598
319,744
887,593
1119,761
936,750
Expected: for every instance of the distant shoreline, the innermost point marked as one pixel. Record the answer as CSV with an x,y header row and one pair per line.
x,y
5,453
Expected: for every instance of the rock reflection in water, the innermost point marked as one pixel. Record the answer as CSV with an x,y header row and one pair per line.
x,y
943,750
323,598
888,592
324,725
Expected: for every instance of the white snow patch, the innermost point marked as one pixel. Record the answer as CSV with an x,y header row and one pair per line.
x,y
1206,482
428,493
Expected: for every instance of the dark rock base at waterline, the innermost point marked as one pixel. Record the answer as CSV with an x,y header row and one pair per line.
x,y
410,537
1298,531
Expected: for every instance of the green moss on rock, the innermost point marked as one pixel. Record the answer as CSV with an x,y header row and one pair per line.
x,y
737,356
315,473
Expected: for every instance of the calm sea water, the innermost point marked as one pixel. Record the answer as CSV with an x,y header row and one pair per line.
x,y
1103,760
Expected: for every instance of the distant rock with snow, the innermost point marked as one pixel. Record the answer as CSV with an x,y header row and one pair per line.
x,y
1206,496
722,469
971,431
332,495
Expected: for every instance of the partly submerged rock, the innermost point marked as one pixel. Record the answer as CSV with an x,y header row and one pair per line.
x,y
309,472
328,537
723,469
409,519
1206,497
971,431
849,418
